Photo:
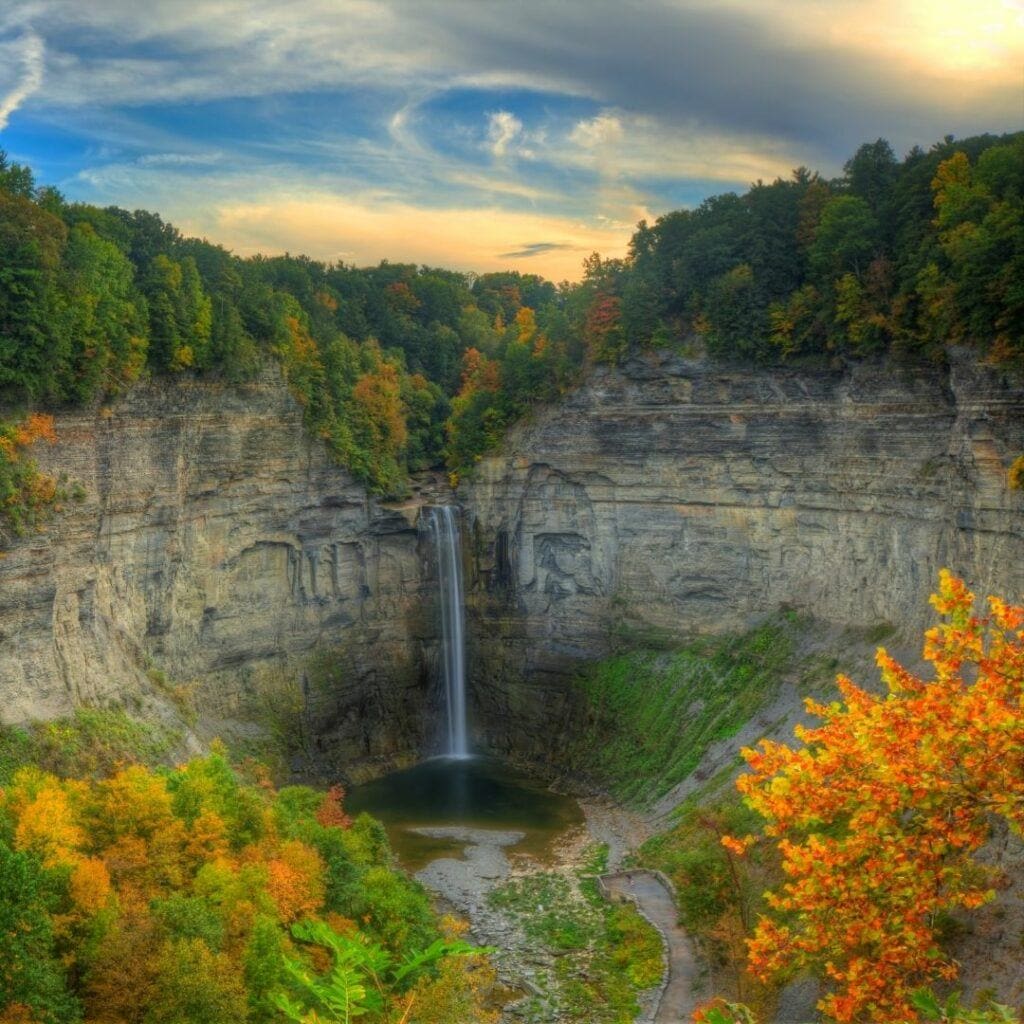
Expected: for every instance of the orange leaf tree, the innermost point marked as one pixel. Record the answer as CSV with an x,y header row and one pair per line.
x,y
25,492
878,814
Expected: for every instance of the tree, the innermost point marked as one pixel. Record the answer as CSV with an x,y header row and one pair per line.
x,y
735,319
606,338
845,238
871,173
878,815
197,985
30,971
295,881
16,179
180,314
106,324
34,346
981,222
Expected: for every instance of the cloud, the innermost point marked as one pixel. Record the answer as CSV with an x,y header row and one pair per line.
x,y
468,238
802,71
626,146
254,211
830,74
598,131
535,249
180,159
30,54
503,128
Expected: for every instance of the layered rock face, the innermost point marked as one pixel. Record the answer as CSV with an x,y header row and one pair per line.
x,y
218,548
678,497
221,557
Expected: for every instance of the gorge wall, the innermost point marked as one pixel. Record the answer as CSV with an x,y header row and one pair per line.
x,y
218,549
679,497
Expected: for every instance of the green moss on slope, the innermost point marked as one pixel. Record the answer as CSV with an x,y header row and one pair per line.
x,y
650,716
91,742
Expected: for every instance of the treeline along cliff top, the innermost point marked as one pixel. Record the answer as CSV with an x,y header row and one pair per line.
x,y
400,367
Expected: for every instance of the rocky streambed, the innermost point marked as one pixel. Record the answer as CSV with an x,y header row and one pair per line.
x,y
521,864
542,912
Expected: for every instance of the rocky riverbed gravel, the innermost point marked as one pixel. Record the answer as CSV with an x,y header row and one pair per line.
x,y
490,860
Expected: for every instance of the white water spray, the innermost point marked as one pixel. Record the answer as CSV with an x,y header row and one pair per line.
x,y
444,527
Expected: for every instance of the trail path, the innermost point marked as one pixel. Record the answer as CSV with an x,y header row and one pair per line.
x,y
655,902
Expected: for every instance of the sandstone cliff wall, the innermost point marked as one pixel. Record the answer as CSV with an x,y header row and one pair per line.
x,y
679,497
219,546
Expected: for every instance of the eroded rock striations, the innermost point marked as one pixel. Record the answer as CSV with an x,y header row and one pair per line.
x,y
678,497
220,550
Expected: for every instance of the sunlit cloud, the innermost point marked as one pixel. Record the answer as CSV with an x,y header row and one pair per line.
x,y
597,132
561,126
479,239
26,54
634,146
974,44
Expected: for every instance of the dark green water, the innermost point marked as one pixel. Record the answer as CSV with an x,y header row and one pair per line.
x,y
475,792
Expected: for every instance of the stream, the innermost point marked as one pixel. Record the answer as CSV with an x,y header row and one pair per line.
x,y
500,849
468,826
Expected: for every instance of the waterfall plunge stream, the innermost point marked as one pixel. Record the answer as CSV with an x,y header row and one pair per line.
x,y
444,528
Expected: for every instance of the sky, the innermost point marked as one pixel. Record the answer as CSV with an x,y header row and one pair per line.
x,y
479,134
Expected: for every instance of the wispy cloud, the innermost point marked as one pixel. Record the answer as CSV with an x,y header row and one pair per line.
x,y
503,128
536,249
29,55
180,159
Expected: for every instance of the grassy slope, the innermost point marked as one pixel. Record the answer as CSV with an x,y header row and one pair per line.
x,y
91,742
652,715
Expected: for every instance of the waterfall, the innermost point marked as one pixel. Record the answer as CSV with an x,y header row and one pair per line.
x,y
444,527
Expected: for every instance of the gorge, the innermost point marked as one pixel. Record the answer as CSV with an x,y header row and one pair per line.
x,y
223,577
218,548
511,519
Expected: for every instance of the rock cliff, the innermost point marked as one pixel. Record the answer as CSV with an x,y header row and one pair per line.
x,y
220,557
678,497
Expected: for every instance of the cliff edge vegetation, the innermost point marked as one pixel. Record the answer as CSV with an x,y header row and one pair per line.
x,y
400,367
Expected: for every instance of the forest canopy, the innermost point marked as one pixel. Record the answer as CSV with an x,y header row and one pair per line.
x,y
401,368
202,894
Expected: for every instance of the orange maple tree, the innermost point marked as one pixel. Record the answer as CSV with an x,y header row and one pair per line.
x,y
606,339
878,814
478,373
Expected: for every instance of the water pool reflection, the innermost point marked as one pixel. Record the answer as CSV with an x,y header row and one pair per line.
x,y
476,792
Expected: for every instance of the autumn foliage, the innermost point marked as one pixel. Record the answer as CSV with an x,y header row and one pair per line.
x,y
878,814
25,492
169,896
